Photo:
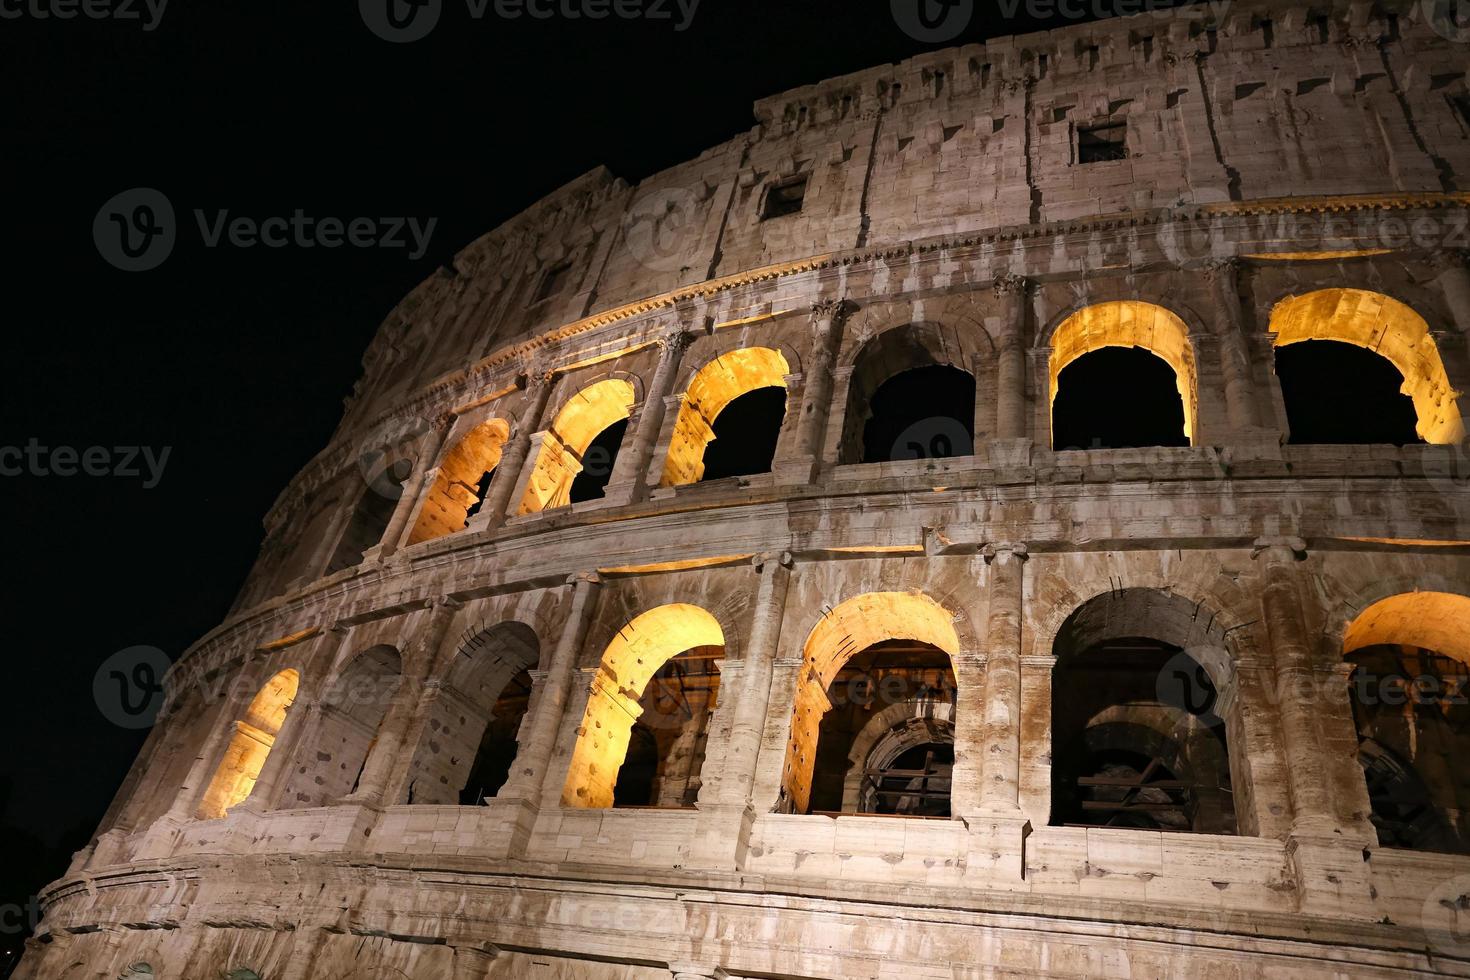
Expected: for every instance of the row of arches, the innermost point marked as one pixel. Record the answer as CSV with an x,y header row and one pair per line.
x,y
1145,716
1354,366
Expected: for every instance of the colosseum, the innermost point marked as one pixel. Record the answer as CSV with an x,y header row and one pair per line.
x,y
1003,515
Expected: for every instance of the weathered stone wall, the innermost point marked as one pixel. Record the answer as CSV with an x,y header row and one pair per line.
x,y
946,220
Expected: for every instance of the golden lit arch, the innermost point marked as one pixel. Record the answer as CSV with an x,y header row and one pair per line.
x,y
846,631
255,735
1438,621
717,384
1385,326
630,660
456,488
1130,323
581,420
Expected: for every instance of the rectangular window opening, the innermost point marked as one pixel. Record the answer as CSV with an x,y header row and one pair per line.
x,y
554,282
1101,144
785,198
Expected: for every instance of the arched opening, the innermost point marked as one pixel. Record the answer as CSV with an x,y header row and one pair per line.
x,y
906,400
1340,395
1138,721
352,707
470,739
1411,657
565,450
1376,323
1117,398
250,745
730,418
1109,385
370,516
893,714
876,668
463,480
659,671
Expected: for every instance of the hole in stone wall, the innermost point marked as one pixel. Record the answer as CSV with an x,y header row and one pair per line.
x,y
923,413
785,197
597,463
1118,398
745,434
1341,394
1103,143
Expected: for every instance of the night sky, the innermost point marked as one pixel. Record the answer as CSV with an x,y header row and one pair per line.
x,y
237,360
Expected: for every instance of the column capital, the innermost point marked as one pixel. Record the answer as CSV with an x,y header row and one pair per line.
x,y
535,372
443,422
1280,547
832,309
782,558
1012,285
1222,270
445,601
1014,549
1444,259
674,341
579,578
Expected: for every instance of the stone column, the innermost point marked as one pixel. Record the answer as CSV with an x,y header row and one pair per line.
x,y
1010,375
725,802
472,959
1454,279
528,772
1000,788
1329,860
630,473
392,738
828,318
1235,361
498,499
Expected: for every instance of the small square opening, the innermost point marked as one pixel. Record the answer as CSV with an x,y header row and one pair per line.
x,y
785,198
554,282
1101,144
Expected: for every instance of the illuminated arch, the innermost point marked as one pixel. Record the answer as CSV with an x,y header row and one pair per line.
x,y
255,736
1438,621
457,487
581,420
1129,323
635,654
717,384
846,631
1385,326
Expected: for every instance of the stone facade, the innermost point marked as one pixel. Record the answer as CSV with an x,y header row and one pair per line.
x,y
1289,174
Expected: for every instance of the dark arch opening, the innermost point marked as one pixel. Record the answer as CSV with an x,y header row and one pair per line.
x,y
1117,398
639,769
370,516
482,489
498,746
1339,394
918,782
922,413
597,463
745,434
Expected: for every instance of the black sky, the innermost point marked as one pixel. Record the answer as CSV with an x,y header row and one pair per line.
x,y
238,360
